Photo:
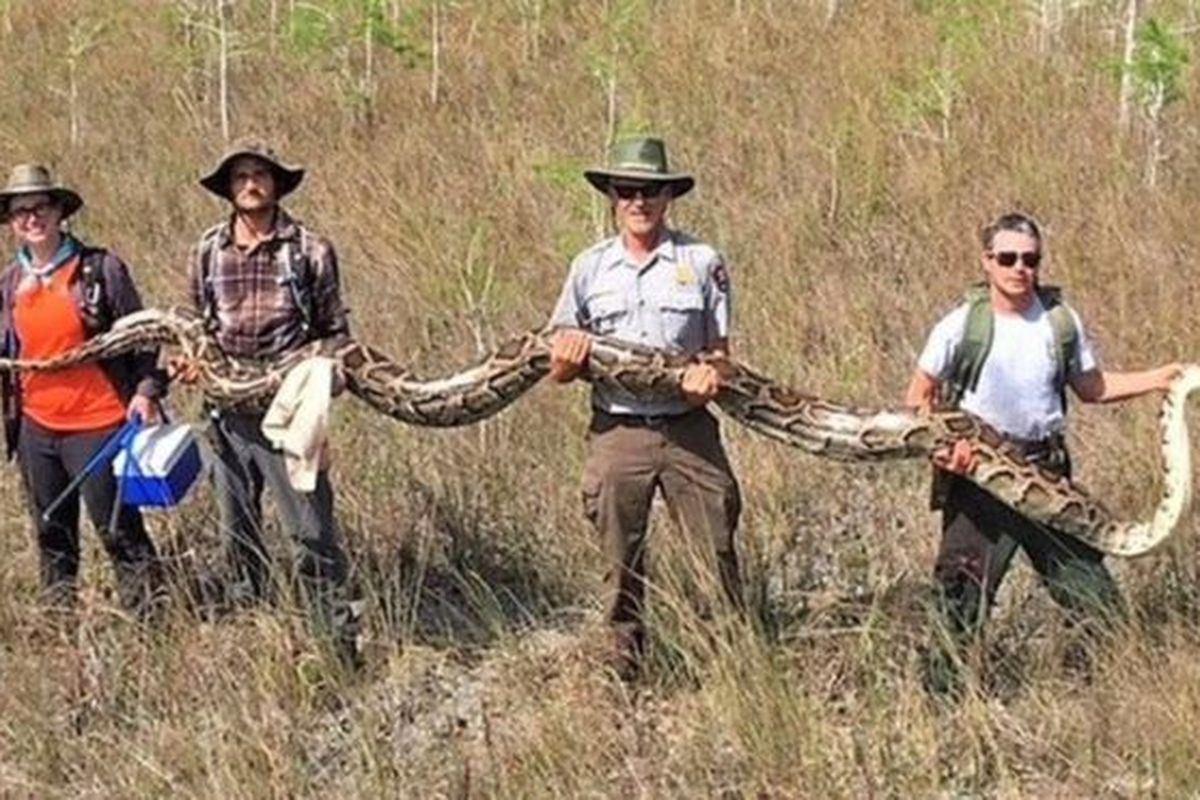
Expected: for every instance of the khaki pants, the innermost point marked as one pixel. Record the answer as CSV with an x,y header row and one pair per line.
x,y
628,459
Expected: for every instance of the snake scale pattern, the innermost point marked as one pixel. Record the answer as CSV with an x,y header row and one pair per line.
x,y
819,427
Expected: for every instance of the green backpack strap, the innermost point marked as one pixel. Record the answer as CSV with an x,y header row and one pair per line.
x,y
1066,337
973,349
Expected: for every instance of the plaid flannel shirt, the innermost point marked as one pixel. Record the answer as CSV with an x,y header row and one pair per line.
x,y
256,315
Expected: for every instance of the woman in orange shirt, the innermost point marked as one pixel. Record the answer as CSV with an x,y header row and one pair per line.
x,y
56,293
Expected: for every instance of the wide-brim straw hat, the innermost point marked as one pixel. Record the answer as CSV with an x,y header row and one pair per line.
x,y
640,159
287,176
36,179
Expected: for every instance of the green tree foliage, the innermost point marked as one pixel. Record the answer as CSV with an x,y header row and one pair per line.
x,y
1159,59
1157,70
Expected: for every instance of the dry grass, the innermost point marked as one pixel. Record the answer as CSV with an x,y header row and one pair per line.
x,y
846,203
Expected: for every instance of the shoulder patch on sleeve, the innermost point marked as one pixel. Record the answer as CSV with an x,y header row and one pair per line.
x,y
720,276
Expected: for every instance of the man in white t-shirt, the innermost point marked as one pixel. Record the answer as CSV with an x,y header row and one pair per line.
x,y
1036,347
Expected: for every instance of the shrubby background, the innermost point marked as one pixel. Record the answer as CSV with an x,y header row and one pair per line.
x,y
846,154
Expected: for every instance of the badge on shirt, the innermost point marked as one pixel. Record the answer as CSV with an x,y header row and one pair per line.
x,y
684,274
720,276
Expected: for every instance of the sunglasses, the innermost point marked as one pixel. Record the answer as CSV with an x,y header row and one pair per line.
x,y
628,191
1009,258
21,213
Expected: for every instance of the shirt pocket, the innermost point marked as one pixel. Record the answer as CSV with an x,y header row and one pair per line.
x,y
605,313
681,315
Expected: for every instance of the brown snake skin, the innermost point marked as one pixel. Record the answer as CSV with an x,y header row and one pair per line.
x,y
817,426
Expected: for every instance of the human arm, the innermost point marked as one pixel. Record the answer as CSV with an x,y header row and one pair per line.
x,y
923,393
570,342
1105,386
179,367
701,381
329,312
923,390
150,381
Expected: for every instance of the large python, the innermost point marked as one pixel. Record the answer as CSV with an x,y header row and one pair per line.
x,y
817,426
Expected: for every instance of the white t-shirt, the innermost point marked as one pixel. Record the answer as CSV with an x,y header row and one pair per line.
x,y
1016,392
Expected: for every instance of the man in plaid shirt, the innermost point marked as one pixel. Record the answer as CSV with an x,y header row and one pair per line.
x,y
266,285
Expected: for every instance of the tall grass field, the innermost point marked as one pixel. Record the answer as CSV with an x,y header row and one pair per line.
x,y
846,153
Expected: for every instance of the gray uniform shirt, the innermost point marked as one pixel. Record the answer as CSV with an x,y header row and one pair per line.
x,y
678,301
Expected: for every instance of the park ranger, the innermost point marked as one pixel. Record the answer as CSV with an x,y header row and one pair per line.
x,y
662,288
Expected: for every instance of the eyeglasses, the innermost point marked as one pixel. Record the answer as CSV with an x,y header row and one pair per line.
x,y
22,213
628,191
1009,258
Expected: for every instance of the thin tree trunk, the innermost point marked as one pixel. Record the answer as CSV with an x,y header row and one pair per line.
x,y
1126,97
368,87
73,97
436,37
223,67
1155,144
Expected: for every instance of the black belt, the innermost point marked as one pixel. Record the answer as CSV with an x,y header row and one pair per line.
x,y
642,420
1035,448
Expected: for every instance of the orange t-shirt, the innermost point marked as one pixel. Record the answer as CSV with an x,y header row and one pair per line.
x,y
47,322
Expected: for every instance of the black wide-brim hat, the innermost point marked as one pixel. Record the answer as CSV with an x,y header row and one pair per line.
x,y
639,160
287,176
36,179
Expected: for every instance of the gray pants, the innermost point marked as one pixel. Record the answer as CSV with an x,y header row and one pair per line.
x,y
246,462
49,460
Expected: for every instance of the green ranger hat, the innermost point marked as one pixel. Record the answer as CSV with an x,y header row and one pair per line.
x,y
36,179
287,176
639,159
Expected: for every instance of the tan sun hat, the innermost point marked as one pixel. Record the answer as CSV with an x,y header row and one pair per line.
x,y
36,179
642,158
287,176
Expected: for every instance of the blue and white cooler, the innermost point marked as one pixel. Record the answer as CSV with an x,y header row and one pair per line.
x,y
158,465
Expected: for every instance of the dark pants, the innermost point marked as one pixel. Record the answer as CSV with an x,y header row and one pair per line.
x,y
628,460
980,535
246,464
49,460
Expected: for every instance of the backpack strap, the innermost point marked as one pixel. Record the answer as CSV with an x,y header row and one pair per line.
x,y
295,272
94,307
1066,337
208,295
973,349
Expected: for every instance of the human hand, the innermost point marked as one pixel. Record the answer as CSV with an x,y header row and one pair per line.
x,y
958,458
183,369
568,354
1166,374
700,383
